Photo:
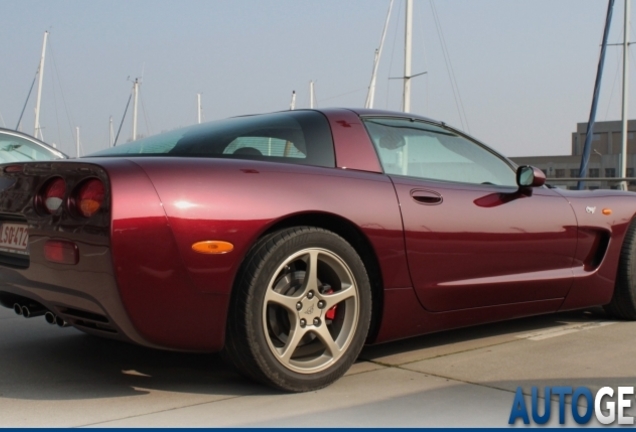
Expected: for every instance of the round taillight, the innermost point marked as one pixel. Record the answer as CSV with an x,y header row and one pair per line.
x,y
53,195
90,197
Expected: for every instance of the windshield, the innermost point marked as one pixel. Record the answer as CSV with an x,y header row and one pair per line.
x,y
17,149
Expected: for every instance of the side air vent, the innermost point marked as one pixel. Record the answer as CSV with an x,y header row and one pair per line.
x,y
597,251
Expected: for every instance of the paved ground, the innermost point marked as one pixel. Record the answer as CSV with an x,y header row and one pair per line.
x,y
61,377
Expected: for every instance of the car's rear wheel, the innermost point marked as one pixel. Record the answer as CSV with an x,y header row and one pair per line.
x,y
301,310
623,304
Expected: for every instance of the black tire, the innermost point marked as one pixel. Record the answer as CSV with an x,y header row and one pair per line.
x,y
623,304
266,339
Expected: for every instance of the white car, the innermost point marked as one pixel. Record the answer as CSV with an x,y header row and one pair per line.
x,y
19,147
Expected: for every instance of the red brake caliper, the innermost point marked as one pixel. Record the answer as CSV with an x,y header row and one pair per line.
x,y
331,313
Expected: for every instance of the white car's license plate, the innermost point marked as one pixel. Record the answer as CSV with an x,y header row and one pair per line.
x,y
14,237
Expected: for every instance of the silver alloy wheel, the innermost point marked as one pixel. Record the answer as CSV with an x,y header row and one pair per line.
x,y
310,310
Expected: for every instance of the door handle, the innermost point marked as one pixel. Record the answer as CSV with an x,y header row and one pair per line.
x,y
428,197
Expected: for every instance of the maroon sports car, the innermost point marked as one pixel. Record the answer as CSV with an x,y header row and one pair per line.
x,y
289,240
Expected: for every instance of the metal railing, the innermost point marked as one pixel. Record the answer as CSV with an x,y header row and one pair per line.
x,y
609,182
590,179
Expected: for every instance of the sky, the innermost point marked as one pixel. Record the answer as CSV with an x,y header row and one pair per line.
x,y
524,69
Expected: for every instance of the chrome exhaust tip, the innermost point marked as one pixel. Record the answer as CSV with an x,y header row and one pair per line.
x,y
33,311
50,318
60,322
17,308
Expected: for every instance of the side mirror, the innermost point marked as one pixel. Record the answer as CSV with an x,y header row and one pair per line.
x,y
529,176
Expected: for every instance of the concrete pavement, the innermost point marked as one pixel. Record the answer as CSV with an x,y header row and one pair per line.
x,y
61,377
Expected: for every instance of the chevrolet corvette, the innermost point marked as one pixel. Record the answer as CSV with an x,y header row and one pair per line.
x,y
287,241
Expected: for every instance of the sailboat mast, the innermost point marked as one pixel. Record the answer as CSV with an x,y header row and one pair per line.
x,y
623,166
135,98
311,94
408,37
36,129
376,61
198,107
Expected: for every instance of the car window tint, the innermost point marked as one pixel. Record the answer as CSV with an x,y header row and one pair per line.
x,y
419,149
264,146
301,137
17,149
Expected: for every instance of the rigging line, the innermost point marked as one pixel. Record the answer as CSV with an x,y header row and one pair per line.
x,y
388,86
340,95
122,119
3,123
368,103
446,64
68,115
17,127
143,108
421,10
452,71
600,45
609,102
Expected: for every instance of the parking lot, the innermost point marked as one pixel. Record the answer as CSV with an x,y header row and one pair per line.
x,y
60,377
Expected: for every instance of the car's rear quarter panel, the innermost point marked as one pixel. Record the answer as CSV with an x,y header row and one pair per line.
x,y
177,297
237,201
163,306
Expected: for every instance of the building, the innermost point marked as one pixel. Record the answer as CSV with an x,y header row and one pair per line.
x,y
604,157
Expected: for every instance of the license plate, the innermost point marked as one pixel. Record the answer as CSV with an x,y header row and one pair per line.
x,y
14,237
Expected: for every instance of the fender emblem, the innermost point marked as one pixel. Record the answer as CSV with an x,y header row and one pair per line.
x,y
590,210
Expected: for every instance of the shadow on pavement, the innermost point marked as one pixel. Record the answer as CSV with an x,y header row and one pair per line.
x,y
70,365
42,363
493,330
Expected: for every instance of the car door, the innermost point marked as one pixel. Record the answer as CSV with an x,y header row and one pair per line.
x,y
473,238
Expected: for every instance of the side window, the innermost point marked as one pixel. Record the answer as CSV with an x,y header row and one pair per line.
x,y
263,146
419,149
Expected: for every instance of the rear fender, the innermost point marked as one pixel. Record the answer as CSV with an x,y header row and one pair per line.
x,y
154,286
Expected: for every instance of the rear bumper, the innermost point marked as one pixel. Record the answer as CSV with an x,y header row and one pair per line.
x,y
84,295
87,297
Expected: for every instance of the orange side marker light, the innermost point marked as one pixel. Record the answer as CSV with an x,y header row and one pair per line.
x,y
607,211
212,247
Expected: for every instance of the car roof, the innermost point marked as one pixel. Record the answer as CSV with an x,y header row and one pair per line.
x,y
367,112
